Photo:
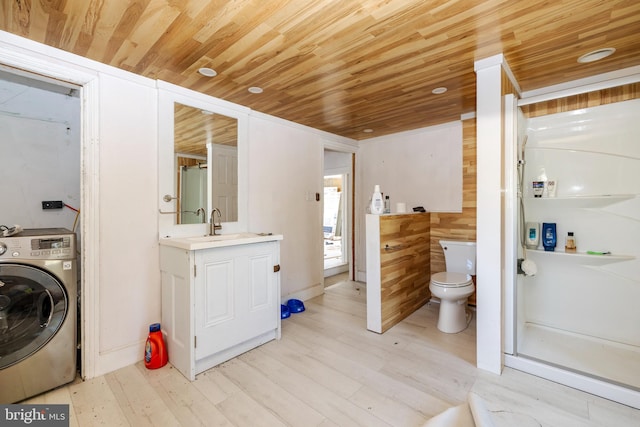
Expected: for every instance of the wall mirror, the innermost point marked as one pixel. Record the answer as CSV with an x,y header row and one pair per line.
x,y
202,162
206,149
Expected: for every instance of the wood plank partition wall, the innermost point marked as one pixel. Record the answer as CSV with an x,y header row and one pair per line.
x,y
405,265
404,268
458,226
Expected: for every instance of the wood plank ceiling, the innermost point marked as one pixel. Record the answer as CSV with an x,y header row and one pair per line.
x,y
338,65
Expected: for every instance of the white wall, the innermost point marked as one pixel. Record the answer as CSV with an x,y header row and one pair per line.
x,y
419,168
40,148
285,173
129,296
336,162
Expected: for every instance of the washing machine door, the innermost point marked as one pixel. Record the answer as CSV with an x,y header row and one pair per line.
x,y
33,306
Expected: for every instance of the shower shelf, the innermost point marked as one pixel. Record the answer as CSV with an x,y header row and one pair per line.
x,y
583,257
596,201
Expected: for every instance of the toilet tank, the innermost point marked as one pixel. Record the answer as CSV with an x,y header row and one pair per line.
x,y
460,257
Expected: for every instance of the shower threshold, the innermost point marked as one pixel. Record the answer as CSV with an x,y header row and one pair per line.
x,y
607,360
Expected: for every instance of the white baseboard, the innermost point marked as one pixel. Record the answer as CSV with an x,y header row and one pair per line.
x,y
119,358
305,294
332,271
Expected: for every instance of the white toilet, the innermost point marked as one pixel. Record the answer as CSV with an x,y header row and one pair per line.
x,y
455,285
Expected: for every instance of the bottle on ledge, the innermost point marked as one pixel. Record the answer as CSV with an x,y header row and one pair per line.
x,y
570,245
377,205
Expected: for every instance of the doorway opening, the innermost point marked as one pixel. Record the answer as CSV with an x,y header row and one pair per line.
x,y
41,122
334,226
337,212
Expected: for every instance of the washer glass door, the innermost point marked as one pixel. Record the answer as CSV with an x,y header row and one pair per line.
x,y
33,306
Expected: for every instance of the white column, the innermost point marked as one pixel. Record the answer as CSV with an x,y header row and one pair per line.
x,y
489,214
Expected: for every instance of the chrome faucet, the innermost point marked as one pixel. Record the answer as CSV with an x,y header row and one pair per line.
x,y
203,212
212,224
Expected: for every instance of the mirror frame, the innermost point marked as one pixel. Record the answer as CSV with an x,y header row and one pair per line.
x,y
168,95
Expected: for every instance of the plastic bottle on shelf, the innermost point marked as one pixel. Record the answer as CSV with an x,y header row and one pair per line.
x,y
570,245
533,235
548,236
377,204
387,205
155,351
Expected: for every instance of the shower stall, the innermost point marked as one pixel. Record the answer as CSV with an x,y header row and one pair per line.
x,y
573,317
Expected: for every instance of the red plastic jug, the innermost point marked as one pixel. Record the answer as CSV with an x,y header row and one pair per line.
x,y
155,352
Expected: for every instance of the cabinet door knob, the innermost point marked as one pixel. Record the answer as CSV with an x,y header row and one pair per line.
x,y
276,268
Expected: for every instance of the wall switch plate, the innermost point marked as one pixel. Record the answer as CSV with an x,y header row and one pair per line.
x,y
52,204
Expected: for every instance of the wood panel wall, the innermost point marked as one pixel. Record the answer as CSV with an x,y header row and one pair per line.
x,y
404,265
506,84
584,100
458,226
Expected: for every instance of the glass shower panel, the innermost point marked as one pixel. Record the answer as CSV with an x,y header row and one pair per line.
x,y
193,195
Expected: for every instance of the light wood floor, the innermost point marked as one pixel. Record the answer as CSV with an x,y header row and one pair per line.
x,y
328,370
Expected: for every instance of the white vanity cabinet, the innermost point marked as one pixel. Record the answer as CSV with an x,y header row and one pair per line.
x,y
219,302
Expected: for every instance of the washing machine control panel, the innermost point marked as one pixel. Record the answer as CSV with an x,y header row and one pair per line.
x,y
51,243
38,247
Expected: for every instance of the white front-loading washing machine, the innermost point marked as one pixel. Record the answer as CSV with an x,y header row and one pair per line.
x,y
38,312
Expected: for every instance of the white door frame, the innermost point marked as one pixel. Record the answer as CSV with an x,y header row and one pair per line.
x,y
22,61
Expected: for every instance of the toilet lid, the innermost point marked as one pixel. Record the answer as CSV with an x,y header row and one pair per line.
x,y
451,280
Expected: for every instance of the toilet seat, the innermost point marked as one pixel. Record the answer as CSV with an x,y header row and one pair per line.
x,y
447,279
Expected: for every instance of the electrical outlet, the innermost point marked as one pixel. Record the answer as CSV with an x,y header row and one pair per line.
x,y
52,204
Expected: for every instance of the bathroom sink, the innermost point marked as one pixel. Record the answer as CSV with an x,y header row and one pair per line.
x,y
219,237
232,239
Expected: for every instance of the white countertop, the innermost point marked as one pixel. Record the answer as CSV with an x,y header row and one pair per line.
x,y
194,243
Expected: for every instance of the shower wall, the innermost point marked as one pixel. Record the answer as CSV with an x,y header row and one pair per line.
x,y
594,156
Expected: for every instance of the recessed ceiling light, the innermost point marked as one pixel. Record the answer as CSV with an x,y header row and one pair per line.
x,y
367,130
208,72
596,55
255,89
439,90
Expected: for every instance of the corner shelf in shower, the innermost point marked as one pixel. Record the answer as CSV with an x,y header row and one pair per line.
x,y
585,258
596,201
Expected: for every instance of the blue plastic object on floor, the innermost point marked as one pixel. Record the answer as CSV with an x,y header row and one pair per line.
x,y
295,305
284,311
